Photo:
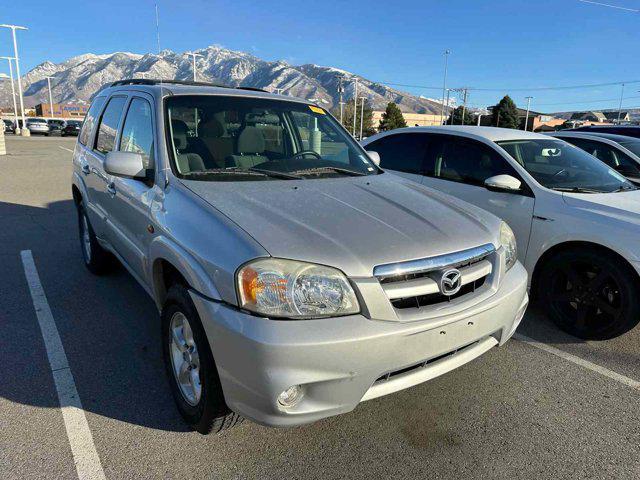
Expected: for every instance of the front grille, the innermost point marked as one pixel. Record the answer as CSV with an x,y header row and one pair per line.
x,y
417,366
426,300
414,284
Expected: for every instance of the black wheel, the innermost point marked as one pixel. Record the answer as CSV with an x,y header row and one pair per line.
x,y
191,369
591,294
96,258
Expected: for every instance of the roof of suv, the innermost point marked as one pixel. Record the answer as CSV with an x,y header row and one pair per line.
x,y
494,134
179,87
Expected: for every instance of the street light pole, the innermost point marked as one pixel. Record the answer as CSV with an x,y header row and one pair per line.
x,y
50,97
361,115
444,84
193,57
340,92
464,104
450,115
13,94
25,130
355,105
620,106
526,118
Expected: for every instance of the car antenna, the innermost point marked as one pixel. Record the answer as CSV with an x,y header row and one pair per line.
x,y
158,37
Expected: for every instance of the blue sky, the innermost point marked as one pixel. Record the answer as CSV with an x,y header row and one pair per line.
x,y
500,45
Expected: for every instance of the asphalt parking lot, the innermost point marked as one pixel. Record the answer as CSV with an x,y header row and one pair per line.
x,y
560,408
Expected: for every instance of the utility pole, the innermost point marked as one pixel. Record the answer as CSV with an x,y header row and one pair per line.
x,y
620,106
25,131
340,92
355,105
450,120
50,96
444,84
361,115
193,57
13,94
465,91
526,118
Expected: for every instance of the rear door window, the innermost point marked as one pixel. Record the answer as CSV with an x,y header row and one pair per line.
x,y
109,122
137,132
403,152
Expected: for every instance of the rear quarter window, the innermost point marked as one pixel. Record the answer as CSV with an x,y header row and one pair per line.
x,y
90,120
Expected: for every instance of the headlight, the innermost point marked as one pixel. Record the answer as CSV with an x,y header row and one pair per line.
x,y
508,242
286,288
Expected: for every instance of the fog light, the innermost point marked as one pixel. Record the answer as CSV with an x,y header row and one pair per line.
x,y
291,396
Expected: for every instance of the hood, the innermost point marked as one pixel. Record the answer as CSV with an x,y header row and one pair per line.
x,y
350,223
624,206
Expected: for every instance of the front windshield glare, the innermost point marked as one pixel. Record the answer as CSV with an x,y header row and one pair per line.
x,y
231,138
560,166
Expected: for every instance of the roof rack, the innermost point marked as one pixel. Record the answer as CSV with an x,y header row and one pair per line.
x,y
151,81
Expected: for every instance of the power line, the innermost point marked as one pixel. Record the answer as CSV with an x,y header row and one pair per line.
x,y
586,101
610,6
519,89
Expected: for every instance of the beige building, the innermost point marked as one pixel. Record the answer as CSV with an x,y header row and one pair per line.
x,y
412,119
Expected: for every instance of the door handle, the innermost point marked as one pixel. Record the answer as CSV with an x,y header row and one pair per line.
x,y
111,188
85,169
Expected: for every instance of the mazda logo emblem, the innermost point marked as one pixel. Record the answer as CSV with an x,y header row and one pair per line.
x,y
450,282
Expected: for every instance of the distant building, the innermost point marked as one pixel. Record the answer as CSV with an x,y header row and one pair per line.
x,y
590,116
613,116
536,121
62,110
412,119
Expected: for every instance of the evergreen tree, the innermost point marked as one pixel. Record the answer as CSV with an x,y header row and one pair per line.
x,y
392,118
347,117
456,117
505,114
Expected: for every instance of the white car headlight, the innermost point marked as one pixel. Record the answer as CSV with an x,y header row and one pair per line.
x,y
508,242
286,288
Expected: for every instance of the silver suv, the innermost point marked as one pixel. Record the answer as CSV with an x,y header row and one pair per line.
x,y
294,277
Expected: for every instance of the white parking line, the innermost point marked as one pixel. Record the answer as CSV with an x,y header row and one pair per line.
x,y
630,382
65,148
84,452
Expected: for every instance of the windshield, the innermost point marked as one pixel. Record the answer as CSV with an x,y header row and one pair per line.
x,y
561,166
223,138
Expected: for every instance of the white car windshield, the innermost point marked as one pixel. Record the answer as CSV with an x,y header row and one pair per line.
x,y
222,138
561,166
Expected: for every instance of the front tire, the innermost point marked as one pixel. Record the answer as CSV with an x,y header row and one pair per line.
x,y
590,293
190,366
96,259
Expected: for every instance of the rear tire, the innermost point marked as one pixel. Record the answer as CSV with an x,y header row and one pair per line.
x,y
590,293
96,259
191,369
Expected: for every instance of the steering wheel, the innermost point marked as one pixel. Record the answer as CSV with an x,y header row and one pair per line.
x,y
302,153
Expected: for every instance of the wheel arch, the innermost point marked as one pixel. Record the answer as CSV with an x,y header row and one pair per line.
x,y
568,246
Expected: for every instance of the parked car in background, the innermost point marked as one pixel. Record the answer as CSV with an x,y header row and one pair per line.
x,y
71,127
55,126
619,152
577,221
295,279
626,130
9,126
38,125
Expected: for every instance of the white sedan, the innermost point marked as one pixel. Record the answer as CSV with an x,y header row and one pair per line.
x,y
576,220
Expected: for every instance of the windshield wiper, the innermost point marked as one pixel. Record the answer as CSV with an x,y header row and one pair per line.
x,y
577,190
272,173
312,171
243,171
625,188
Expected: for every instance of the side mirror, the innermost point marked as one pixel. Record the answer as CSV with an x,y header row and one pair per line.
x,y
374,157
125,164
503,183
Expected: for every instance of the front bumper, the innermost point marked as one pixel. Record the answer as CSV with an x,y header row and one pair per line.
x,y
343,361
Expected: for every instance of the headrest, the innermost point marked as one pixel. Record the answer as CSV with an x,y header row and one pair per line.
x,y
251,140
180,130
211,129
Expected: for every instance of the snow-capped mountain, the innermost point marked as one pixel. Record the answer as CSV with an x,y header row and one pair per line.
x,y
79,78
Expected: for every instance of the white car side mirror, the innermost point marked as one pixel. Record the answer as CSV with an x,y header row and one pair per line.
x,y
503,183
125,164
375,157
